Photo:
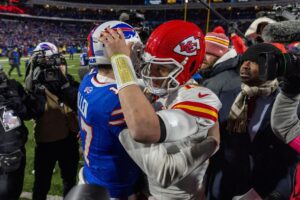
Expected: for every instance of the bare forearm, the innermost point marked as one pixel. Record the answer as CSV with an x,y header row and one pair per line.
x,y
140,116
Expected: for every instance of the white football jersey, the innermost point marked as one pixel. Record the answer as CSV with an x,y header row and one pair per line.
x,y
191,109
172,171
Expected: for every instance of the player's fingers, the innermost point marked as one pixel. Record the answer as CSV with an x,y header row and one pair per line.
x,y
107,36
114,34
121,34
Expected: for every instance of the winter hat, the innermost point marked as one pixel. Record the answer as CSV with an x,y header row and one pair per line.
x,y
216,43
257,53
252,30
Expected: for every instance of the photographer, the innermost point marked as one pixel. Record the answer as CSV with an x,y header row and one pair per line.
x,y
285,122
285,113
15,107
56,129
252,161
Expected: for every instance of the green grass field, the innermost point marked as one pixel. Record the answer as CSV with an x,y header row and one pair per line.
x,y
56,186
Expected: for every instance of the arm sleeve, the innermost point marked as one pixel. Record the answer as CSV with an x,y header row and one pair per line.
x,y
193,114
35,105
284,119
31,106
116,119
163,168
178,124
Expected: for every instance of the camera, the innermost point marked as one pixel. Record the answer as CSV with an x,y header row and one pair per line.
x,y
281,13
46,68
282,65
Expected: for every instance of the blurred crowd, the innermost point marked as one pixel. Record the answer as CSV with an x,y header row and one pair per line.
x,y
25,34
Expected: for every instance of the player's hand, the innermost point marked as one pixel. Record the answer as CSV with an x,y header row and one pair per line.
x,y
114,42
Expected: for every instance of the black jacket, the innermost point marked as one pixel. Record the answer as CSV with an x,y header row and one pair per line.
x,y
16,104
69,95
264,163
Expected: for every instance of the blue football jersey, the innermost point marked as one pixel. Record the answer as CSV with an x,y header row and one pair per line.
x,y
106,162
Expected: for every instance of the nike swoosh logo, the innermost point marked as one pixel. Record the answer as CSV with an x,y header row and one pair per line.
x,y
202,95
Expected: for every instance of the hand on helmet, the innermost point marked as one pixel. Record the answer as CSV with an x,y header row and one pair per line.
x,y
114,42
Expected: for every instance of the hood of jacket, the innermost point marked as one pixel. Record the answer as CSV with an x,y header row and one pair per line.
x,y
230,60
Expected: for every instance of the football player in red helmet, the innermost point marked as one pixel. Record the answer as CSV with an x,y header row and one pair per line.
x,y
177,123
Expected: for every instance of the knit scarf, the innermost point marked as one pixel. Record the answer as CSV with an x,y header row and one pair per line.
x,y
237,120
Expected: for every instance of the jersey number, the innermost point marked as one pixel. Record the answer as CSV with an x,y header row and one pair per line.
x,y
88,139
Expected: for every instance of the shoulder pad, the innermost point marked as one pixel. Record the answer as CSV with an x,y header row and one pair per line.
x,y
197,101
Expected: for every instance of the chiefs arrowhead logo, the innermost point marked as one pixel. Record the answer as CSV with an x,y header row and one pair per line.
x,y
188,47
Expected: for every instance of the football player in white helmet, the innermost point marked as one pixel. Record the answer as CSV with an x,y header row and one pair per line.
x,y
106,163
177,123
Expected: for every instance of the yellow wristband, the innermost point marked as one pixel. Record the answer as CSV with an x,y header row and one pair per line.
x,y
123,70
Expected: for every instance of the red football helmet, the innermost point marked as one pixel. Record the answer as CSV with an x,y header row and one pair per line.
x,y
177,45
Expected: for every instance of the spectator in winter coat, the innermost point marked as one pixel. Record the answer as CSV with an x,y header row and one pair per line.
x,y
251,159
220,67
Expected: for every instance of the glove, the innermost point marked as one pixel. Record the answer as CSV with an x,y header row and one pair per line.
x,y
291,78
290,86
56,86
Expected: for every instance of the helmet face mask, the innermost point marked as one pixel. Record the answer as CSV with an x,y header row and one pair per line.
x,y
181,50
161,83
96,49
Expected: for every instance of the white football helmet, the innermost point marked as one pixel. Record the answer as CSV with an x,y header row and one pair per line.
x,y
96,49
47,47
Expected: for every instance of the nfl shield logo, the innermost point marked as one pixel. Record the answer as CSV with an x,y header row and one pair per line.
x,y
88,90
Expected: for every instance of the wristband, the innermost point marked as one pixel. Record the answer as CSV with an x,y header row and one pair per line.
x,y
123,71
